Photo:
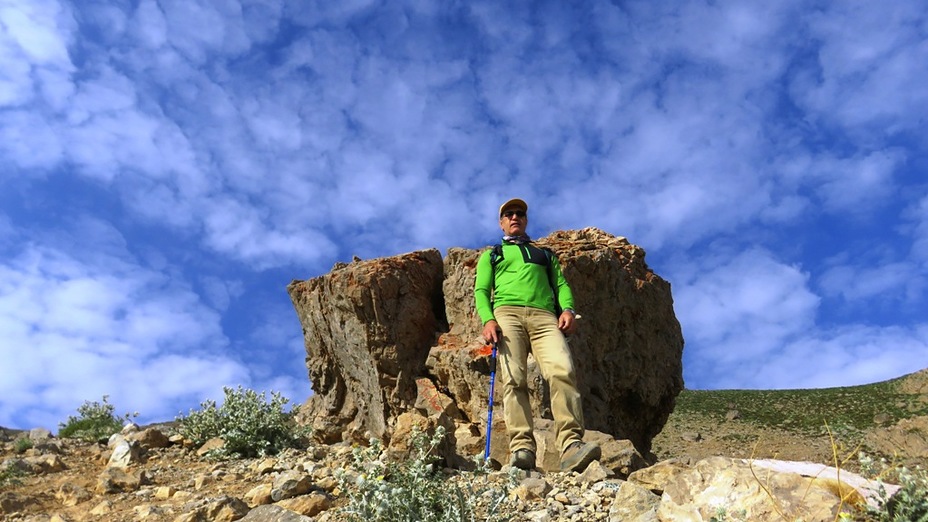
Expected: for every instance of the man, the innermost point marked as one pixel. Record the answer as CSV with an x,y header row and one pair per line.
x,y
526,285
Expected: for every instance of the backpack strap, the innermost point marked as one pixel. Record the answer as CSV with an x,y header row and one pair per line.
x,y
550,255
496,255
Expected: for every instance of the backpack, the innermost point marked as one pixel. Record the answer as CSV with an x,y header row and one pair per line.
x,y
496,255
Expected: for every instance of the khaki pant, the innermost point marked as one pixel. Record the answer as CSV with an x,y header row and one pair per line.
x,y
523,329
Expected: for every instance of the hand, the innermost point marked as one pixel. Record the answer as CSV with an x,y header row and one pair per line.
x,y
567,323
491,331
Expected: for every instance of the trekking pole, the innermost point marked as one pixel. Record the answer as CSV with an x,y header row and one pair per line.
x,y
486,453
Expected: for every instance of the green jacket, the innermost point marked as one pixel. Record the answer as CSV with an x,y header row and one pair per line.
x,y
520,278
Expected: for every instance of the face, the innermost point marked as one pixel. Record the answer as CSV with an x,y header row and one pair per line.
x,y
513,222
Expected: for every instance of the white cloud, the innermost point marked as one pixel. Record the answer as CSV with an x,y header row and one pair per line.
x,y
149,25
866,53
752,295
203,29
80,325
845,356
220,292
34,39
29,142
37,29
851,186
919,216
751,322
875,282
738,312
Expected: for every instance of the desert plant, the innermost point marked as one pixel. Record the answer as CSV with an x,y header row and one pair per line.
x,y
22,444
413,490
722,515
246,421
909,503
10,475
95,422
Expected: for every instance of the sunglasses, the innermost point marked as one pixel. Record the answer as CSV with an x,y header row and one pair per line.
x,y
517,213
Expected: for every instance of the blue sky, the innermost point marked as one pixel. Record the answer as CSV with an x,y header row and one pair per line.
x,y
169,166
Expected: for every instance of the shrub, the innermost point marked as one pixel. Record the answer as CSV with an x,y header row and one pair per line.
x,y
249,425
22,444
909,504
95,423
10,475
414,490
722,515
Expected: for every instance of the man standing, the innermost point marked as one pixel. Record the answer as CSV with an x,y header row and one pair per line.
x,y
527,286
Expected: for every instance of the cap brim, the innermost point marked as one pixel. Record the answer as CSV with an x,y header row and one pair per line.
x,y
515,203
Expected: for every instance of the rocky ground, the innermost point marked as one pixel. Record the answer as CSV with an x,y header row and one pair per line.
x,y
68,480
73,482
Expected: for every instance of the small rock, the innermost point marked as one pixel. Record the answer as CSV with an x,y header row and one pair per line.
x,y
213,444
310,505
265,466
71,494
151,438
39,434
259,495
11,502
290,484
102,508
691,436
201,481
164,492
595,472
225,509
44,464
532,489
125,454
273,513
117,480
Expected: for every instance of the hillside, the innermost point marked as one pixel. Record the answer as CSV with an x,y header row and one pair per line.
x,y
174,484
886,418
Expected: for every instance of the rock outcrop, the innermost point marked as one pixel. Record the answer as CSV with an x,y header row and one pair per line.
x,y
378,332
368,327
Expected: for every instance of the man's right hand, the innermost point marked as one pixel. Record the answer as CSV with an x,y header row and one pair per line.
x,y
491,331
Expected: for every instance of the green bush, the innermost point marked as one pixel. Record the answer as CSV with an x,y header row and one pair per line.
x,y
909,504
95,423
22,444
414,490
10,475
249,425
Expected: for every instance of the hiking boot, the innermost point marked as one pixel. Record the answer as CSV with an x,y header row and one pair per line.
x,y
523,459
579,455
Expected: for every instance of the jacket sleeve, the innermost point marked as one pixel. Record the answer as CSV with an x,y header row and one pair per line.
x,y
565,297
483,288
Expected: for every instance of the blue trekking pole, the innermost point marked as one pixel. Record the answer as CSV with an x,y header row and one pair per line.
x,y
486,453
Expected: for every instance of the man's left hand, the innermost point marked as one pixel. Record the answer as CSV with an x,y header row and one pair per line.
x,y
567,323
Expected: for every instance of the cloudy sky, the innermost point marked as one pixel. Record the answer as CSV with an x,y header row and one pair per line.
x,y
169,166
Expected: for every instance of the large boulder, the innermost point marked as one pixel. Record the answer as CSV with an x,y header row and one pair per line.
x,y
367,327
378,332
770,490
